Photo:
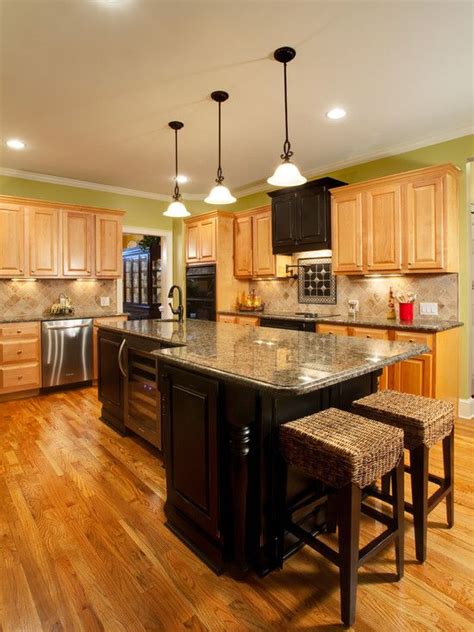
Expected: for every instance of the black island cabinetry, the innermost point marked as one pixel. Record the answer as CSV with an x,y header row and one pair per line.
x,y
301,216
220,393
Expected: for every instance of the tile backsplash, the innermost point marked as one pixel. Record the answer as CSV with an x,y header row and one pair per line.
x,y
25,298
281,295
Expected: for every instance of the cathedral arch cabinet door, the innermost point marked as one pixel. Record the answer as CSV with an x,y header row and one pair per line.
x,y
12,240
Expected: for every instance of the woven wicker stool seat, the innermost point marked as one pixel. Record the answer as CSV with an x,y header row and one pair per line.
x,y
347,453
424,420
338,447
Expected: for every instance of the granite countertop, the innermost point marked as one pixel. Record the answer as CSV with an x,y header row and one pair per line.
x,y
41,317
429,324
283,362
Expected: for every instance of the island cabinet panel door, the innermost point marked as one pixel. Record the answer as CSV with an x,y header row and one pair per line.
x,y
111,355
78,234
12,241
383,214
190,446
43,238
108,246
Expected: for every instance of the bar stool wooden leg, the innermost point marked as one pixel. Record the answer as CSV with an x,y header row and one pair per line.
x,y
419,489
397,476
386,484
349,521
448,461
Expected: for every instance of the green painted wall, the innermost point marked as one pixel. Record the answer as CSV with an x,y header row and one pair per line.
x,y
149,213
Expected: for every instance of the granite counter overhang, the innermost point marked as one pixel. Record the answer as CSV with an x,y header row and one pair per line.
x,y
280,361
425,324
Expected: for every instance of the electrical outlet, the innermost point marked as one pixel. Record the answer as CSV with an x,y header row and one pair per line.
x,y
104,301
429,309
353,304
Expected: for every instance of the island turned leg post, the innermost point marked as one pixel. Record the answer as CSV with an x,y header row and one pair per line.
x,y
240,442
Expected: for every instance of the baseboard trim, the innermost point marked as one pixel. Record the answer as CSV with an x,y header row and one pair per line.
x,y
466,408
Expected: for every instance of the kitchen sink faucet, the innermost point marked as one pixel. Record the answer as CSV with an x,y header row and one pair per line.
x,y
180,309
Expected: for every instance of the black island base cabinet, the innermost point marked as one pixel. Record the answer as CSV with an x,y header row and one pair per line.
x,y
128,385
301,217
221,458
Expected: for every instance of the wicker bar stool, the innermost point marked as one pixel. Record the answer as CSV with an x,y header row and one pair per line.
x,y
425,421
347,453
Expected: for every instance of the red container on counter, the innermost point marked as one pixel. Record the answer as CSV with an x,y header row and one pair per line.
x,y
406,311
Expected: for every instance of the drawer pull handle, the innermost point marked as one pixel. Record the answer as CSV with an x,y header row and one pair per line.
x,y
19,352
411,340
18,331
20,376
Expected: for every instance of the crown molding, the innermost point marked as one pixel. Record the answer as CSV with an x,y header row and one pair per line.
x,y
258,187
94,186
262,186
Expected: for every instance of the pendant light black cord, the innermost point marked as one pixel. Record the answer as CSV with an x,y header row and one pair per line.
x,y
177,194
287,153
220,177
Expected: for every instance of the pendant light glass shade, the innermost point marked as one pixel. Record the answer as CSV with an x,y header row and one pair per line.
x,y
176,208
287,174
220,194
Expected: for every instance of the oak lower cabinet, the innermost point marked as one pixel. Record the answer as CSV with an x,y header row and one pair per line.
x,y
20,358
377,334
334,330
251,321
407,222
12,240
191,440
414,375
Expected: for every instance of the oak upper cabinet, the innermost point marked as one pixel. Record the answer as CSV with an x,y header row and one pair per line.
x,y
243,266
42,226
12,240
263,258
301,217
347,252
253,252
383,213
201,240
78,235
108,245
424,217
407,222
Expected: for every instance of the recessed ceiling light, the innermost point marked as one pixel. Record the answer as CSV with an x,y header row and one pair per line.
x,y
15,143
336,113
181,179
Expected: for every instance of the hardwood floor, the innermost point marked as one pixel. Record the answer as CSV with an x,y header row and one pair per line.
x,y
84,546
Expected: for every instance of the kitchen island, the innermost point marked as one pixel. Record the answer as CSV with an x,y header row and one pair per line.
x,y
223,391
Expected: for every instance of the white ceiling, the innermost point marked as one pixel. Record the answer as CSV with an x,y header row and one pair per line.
x,y
90,85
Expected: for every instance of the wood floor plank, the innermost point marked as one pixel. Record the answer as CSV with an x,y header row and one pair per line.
x,y
83,546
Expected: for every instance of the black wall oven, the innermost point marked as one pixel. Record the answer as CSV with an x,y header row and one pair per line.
x,y
201,292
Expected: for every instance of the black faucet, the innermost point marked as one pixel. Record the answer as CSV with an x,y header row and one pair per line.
x,y
180,309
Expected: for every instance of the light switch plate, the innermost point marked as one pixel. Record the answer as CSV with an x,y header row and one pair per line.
x,y
429,309
104,301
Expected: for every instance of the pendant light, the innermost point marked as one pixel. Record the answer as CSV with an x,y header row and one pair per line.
x,y
287,174
176,208
220,194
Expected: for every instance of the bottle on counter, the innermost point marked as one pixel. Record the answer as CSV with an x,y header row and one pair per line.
x,y
391,313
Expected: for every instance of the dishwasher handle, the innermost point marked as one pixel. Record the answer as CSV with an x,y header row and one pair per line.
x,y
120,357
50,327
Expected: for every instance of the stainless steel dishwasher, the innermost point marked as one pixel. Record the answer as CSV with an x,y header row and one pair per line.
x,y
66,351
